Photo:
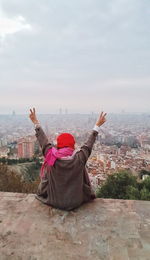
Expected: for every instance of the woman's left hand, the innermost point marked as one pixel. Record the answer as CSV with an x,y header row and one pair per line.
x,y
102,119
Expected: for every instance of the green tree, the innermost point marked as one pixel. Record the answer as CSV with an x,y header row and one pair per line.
x,y
3,160
143,172
119,186
146,183
144,188
145,194
132,193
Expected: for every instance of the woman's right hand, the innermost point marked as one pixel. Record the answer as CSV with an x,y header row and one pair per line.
x,y
33,117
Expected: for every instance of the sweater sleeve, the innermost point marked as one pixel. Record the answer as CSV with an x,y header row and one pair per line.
x,y
42,139
86,149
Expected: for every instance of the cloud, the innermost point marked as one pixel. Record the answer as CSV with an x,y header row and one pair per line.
x,y
87,49
12,25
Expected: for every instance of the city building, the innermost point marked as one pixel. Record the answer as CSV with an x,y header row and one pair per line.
x,y
26,147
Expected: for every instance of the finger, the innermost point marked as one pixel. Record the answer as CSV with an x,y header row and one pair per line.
x,y
105,114
34,110
101,114
31,111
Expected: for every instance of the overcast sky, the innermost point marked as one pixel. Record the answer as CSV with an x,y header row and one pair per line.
x,y
83,55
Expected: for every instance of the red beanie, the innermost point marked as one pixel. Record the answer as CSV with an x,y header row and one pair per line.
x,y
65,140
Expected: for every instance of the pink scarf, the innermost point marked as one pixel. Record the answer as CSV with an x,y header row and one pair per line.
x,y
53,154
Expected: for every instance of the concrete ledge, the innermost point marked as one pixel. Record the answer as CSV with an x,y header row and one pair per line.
x,y
105,229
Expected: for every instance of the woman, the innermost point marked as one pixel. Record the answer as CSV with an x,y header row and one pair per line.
x,y
65,182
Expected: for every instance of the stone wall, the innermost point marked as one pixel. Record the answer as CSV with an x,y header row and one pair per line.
x,y
104,229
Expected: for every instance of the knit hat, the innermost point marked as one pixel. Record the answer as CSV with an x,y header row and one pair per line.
x,y
65,140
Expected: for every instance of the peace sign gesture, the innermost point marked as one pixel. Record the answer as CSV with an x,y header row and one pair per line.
x,y
101,120
33,117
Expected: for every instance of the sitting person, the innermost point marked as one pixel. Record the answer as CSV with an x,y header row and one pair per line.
x,y
65,183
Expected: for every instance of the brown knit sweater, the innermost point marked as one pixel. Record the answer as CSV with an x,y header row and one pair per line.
x,y
66,184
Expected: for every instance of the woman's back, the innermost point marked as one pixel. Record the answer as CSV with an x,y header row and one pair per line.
x,y
68,184
65,182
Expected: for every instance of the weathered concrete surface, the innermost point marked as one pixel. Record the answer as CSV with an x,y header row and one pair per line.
x,y
103,229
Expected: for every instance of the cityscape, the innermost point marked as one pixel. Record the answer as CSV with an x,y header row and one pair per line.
x,y
123,142
74,67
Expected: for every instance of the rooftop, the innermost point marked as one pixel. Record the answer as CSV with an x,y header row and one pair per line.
x,y
105,229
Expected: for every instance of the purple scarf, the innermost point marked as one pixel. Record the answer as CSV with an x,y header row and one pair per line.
x,y
52,155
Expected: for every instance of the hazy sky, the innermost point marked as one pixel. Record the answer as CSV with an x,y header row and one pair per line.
x,y
84,55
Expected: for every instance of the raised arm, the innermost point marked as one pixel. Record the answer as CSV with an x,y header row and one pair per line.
x,y
87,147
41,137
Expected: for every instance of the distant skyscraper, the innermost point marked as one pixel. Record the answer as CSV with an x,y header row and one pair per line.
x,y
60,111
26,147
13,113
66,111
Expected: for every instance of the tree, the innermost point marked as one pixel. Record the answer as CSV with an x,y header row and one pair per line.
x,y
3,160
143,172
12,182
144,188
132,193
122,185
146,183
145,194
